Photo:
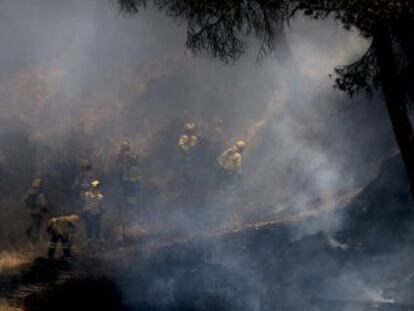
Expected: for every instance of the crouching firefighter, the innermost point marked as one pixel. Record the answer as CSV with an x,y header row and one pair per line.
x,y
62,229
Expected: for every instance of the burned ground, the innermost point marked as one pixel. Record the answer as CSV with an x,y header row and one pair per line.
x,y
265,267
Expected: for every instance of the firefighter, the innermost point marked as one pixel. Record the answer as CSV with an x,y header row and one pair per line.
x,y
130,180
187,144
92,211
230,162
82,181
36,203
123,155
188,141
62,229
125,147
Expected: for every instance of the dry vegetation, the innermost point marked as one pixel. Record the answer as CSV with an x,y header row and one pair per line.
x,y
5,307
12,260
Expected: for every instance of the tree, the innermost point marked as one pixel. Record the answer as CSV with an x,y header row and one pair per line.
x,y
220,28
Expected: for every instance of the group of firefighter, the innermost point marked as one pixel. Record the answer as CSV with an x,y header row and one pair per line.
x,y
89,197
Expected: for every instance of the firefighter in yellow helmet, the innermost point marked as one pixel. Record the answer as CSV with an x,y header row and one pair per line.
x,y
230,162
62,229
188,141
36,204
125,145
92,211
187,145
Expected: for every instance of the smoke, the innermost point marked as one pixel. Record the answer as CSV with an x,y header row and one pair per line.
x,y
76,78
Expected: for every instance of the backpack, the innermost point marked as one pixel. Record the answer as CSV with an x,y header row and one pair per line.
x,y
31,200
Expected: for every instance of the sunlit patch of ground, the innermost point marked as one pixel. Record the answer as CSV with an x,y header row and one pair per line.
x,y
6,307
12,260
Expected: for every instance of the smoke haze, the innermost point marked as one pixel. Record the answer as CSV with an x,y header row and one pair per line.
x,y
82,70
76,78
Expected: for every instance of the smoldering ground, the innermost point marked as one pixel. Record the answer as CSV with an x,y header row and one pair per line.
x,y
77,77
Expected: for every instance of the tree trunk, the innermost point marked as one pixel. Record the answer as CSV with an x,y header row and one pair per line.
x,y
395,98
405,39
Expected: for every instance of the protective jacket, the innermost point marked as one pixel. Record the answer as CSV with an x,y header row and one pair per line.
x,y
93,203
61,226
35,201
231,160
187,143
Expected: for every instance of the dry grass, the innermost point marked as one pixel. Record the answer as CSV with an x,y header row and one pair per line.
x,y
6,307
10,261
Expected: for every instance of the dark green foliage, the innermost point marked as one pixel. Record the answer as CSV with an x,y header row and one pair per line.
x,y
359,77
131,6
221,29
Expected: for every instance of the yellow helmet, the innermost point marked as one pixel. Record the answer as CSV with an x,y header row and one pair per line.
x,y
95,184
85,163
189,126
241,144
37,183
73,218
125,144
